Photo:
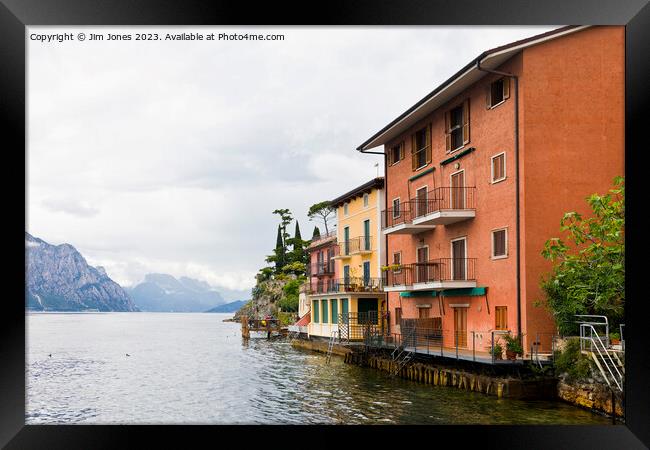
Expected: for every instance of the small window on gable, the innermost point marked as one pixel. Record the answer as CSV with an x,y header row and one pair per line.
x,y
396,153
499,243
345,209
421,148
365,200
497,92
457,126
498,167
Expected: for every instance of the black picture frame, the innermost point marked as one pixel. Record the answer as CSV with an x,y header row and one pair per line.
x,y
15,15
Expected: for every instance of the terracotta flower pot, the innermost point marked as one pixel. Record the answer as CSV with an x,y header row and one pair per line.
x,y
511,355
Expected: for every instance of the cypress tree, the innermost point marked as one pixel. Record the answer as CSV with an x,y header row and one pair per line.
x,y
316,233
279,251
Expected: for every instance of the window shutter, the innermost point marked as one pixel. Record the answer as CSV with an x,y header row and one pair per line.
x,y
401,151
506,87
414,161
488,96
447,133
465,121
428,150
389,155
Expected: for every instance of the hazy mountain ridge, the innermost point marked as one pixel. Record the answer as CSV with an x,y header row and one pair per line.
x,y
60,279
164,293
228,307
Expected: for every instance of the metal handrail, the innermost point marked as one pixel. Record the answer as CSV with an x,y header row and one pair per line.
x,y
595,341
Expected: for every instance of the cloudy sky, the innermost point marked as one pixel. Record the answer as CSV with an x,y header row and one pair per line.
x,y
171,156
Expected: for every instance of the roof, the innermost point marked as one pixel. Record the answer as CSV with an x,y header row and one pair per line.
x,y
375,183
461,80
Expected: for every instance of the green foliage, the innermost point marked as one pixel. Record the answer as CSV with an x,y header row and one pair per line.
x,y
322,212
589,276
513,344
315,234
572,362
498,350
291,291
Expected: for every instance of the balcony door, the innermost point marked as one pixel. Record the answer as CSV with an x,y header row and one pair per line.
x,y
458,259
422,258
346,240
421,202
366,235
457,190
366,274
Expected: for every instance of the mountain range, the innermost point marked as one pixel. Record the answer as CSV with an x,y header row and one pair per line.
x,y
60,279
163,292
228,307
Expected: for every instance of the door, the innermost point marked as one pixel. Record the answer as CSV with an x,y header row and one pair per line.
x,y
346,240
422,258
344,310
458,259
366,274
366,235
346,276
368,310
460,326
458,190
421,202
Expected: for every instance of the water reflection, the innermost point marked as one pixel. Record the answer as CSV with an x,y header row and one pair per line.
x,y
194,368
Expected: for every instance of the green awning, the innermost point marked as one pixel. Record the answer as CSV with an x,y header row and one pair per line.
x,y
459,155
419,294
419,175
462,292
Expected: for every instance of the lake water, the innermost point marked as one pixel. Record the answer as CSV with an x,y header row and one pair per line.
x,y
196,369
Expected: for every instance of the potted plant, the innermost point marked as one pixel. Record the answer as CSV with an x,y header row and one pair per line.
x,y
497,352
513,347
614,338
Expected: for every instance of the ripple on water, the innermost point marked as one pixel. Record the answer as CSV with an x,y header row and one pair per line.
x,y
184,370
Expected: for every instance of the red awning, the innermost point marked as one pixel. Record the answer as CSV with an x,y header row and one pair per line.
x,y
304,320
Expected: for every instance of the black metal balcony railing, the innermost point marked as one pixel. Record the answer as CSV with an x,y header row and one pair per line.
x,y
356,245
320,268
438,199
356,284
441,269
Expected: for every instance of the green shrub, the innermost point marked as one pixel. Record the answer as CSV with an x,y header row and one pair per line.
x,y
572,362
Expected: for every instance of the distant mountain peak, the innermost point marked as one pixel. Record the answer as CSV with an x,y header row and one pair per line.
x,y
164,292
60,279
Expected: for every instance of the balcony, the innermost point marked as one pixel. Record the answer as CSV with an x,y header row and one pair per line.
x,y
436,274
444,206
362,245
351,284
441,206
320,269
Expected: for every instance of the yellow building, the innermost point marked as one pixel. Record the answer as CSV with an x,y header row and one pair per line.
x,y
354,301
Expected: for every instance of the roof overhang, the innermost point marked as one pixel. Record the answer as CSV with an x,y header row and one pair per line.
x,y
463,79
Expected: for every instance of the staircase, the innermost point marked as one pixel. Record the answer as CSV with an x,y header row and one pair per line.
x,y
400,355
607,360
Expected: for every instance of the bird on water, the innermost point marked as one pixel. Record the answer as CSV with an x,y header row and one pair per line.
x,y
128,354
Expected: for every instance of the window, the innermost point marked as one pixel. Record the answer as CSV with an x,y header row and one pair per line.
x,y
314,308
497,92
324,305
421,148
396,210
421,201
366,273
397,260
499,244
395,154
345,209
499,167
346,275
501,317
457,127
398,316
335,311
423,313
365,200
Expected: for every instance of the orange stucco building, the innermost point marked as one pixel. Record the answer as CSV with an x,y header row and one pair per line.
x,y
479,173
